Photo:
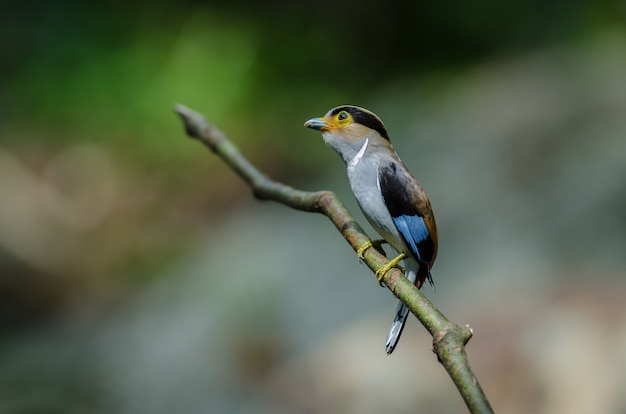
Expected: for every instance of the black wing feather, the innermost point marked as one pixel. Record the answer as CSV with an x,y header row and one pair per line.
x,y
410,209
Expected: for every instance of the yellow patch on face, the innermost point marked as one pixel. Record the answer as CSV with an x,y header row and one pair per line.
x,y
341,124
337,121
343,119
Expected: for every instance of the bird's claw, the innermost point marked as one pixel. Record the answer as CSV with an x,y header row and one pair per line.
x,y
361,250
382,271
377,244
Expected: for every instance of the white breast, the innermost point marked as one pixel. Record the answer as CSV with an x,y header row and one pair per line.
x,y
363,176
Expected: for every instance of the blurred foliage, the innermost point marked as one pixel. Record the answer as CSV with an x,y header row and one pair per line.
x,y
95,157
111,70
116,232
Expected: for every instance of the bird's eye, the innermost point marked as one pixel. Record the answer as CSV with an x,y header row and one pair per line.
x,y
343,115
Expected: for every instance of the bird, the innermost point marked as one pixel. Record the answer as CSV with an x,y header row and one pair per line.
x,y
391,199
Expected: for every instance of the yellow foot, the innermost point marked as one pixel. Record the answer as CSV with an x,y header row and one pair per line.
x,y
380,273
376,244
361,250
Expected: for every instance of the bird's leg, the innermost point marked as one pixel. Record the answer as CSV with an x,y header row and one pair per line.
x,y
370,243
380,273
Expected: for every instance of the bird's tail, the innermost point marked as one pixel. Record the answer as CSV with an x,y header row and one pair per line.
x,y
416,274
396,328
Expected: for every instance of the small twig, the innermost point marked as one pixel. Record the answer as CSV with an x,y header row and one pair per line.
x,y
449,339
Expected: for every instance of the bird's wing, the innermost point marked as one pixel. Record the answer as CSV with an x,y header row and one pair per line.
x,y
411,212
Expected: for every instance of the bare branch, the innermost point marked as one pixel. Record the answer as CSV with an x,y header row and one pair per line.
x,y
449,339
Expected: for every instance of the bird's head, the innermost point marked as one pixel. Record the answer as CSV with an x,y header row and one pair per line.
x,y
346,127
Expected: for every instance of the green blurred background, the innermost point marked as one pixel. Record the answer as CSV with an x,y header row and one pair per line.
x,y
138,274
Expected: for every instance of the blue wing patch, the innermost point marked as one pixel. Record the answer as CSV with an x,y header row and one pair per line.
x,y
414,231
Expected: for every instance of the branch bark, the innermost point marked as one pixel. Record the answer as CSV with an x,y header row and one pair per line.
x,y
449,339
